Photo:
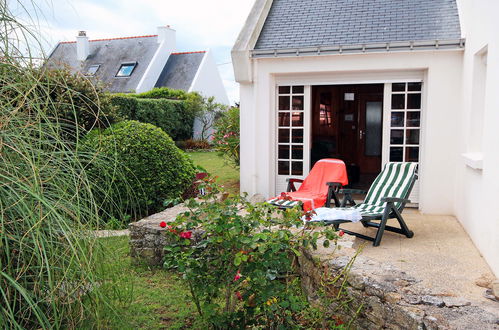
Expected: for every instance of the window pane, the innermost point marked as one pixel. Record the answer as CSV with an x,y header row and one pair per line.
x,y
92,70
374,112
297,136
284,89
283,135
283,118
413,118
398,101
398,87
414,101
283,152
397,136
297,119
297,102
396,154
297,168
414,87
125,70
283,168
412,154
298,89
283,102
297,152
397,119
412,136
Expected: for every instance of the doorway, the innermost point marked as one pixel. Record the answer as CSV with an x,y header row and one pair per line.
x,y
347,124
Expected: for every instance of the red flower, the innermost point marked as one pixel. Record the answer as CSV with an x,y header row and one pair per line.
x,y
237,276
186,234
162,224
239,295
341,233
283,195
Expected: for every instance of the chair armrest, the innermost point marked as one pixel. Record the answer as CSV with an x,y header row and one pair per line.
x,y
394,200
293,180
291,184
353,191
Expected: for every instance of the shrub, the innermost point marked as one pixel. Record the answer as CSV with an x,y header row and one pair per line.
x,y
240,266
156,169
226,138
175,117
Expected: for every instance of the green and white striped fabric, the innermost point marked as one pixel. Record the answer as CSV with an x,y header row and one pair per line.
x,y
282,203
394,181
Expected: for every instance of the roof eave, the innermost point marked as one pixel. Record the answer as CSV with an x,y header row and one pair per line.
x,y
398,46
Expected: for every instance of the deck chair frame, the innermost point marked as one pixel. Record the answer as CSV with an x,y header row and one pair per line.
x,y
390,212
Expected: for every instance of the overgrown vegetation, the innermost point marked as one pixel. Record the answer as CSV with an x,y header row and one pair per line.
x,y
239,261
155,169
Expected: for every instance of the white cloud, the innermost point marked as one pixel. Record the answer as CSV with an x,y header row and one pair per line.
x,y
200,24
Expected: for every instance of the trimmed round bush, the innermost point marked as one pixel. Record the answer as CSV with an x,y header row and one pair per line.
x,y
152,169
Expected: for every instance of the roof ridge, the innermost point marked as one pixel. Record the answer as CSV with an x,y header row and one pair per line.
x,y
194,52
118,38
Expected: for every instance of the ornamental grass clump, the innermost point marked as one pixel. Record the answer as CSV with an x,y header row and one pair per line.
x,y
49,262
240,260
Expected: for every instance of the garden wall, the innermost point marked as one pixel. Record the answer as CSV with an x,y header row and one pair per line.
x,y
384,296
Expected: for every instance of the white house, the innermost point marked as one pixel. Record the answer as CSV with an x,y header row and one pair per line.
x,y
371,82
140,63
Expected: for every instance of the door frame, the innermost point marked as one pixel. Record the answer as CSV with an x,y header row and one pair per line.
x,y
343,78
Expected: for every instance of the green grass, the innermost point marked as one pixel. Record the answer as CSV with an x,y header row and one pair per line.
x,y
146,298
227,175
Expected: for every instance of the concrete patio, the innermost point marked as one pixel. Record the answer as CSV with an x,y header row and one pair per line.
x,y
441,255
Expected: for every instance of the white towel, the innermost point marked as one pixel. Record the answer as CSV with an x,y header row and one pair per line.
x,y
326,213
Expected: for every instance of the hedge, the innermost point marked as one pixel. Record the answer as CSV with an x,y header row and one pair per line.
x,y
175,117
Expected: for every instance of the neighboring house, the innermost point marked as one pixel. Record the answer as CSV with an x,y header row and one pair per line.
x,y
138,64
371,82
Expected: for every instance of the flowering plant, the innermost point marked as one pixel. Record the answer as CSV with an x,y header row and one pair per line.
x,y
240,262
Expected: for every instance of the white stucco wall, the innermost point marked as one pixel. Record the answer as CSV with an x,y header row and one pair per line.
x,y
441,73
477,191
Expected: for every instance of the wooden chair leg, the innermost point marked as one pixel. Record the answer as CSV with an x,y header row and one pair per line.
x,y
381,228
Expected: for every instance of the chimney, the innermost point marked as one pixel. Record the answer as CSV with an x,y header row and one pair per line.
x,y
82,46
166,33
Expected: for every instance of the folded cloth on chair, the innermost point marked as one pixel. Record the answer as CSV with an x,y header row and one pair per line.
x,y
330,214
313,191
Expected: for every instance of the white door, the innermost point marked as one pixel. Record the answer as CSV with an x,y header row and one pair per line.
x,y
402,126
293,134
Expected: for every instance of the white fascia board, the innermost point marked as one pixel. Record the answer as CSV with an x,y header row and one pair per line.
x,y
241,56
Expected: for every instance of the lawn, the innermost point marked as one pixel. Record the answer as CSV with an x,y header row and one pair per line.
x,y
147,298
227,175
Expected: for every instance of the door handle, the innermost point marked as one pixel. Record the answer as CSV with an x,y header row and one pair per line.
x,y
361,134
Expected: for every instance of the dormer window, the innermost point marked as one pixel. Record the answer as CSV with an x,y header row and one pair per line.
x,y
126,69
92,70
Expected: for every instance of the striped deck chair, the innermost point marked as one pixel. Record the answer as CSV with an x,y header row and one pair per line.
x,y
385,200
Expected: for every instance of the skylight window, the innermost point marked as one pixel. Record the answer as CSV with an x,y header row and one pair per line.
x,y
92,70
126,69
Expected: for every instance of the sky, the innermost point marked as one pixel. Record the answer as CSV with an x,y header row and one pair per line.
x,y
200,24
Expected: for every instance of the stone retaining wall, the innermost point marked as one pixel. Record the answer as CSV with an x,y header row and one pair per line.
x,y
390,298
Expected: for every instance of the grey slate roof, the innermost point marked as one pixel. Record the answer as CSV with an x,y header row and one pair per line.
x,y
180,70
110,54
312,23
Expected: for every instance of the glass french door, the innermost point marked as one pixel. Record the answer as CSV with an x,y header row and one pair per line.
x,y
293,134
403,125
